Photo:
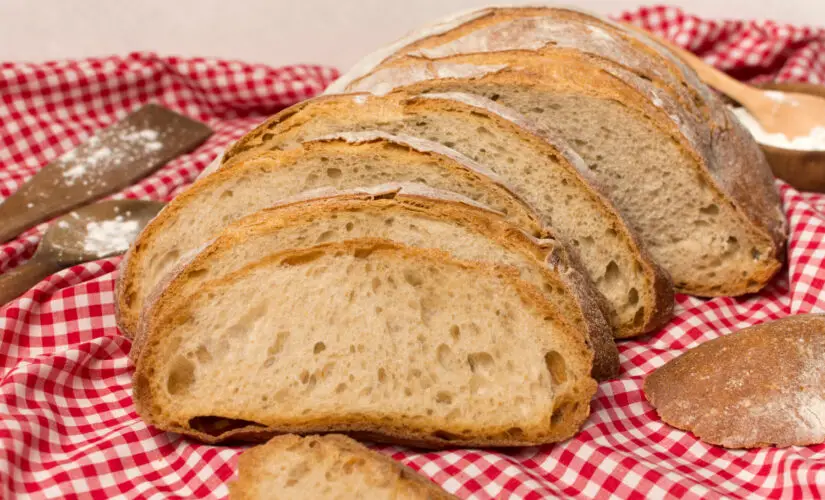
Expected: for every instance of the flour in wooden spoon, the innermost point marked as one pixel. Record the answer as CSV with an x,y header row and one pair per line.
x,y
814,141
110,236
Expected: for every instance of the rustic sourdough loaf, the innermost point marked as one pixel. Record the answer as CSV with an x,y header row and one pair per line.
x,y
197,215
687,199
367,336
541,169
408,214
326,468
761,386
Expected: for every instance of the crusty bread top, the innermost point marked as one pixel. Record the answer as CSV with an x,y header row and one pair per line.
x,y
761,386
574,296
735,160
326,467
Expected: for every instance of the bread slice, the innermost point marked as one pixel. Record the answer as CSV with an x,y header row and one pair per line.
x,y
367,336
345,161
326,467
688,198
408,214
542,170
761,386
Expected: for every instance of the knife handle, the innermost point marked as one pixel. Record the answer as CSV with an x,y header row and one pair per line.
x,y
18,214
17,281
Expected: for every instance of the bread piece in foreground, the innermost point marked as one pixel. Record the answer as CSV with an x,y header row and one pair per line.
x,y
367,336
345,161
541,169
761,386
325,468
706,209
411,215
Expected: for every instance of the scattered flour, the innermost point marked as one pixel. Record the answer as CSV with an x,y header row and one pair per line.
x,y
815,141
94,158
110,236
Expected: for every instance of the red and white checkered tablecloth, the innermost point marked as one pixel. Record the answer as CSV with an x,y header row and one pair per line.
x,y
68,428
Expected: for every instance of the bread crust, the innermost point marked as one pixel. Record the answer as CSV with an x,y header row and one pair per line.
x,y
570,409
760,386
410,483
733,158
129,293
558,265
659,297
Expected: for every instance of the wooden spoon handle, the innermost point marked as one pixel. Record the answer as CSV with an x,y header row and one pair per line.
x,y
19,215
16,282
710,75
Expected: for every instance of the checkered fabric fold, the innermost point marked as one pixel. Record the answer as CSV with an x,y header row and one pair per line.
x,y
68,427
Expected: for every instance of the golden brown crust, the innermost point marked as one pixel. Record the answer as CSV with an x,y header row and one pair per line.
x,y
254,462
561,268
761,386
570,410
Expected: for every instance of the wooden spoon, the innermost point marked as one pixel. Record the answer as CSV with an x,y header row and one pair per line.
x,y
790,113
112,159
90,233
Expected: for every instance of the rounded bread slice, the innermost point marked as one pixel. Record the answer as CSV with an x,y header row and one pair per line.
x,y
331,467
409,214
760,386
405,344
342,161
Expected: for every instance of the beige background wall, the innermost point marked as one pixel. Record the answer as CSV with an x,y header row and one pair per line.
x,y
334,32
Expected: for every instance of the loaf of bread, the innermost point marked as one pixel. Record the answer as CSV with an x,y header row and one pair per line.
x,y
403,344
345,161
410,214
541,169
325,468
761,386
674,161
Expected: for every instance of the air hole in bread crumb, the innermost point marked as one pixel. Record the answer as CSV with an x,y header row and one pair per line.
x,y
334,173
340,388
611,274
446,436
181,376
556,367
444,397
711,209
319,348
639,317
455,332
202,353
633,296
559,413
756,254
226,194
382,375
325,236
413,278
480,362
444,355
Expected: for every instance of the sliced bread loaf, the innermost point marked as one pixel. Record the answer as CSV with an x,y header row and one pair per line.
x,y
367,336
350,160
408,214
541,169
326,468
688,199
